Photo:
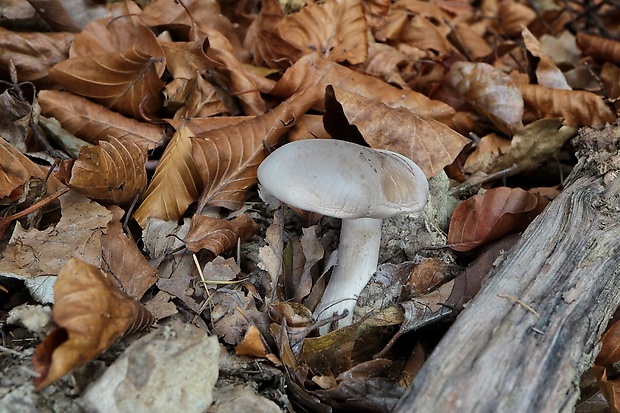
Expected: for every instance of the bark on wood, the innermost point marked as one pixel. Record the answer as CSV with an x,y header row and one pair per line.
x,y
523,342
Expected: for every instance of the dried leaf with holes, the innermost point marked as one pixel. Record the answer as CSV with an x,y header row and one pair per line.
x,y
92,313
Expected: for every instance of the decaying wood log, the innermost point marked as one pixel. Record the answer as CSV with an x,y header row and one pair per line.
x,y
523,342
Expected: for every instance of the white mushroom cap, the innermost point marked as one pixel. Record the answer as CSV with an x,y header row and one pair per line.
x,y
343,180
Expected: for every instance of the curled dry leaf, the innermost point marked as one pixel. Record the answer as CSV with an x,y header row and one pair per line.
x,y
610,346
227,158
219,235
313,70
529,147
513,17
336,29
112,172
175,184
599,47
92,313
491,92
577,107
92,122
429,143
544,71
127,80
609,387
33,53
69,15
470,42
485,218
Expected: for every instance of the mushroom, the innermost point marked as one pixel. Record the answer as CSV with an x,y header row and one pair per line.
x,y
362,186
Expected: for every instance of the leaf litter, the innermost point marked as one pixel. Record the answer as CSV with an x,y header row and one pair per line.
x,y
155,117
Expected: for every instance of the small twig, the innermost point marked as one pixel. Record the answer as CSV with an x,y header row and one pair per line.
x,y
10,351
516,300
473,182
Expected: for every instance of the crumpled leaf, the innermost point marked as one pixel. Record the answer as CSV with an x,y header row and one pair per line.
x,y
577,107
314,70
227,158
92,122
112,172
69,15
429,143
528,149
544,71
599,47
336,29
491,92
125,80
485,218
175,184
610,346
470,42
219,235
92,313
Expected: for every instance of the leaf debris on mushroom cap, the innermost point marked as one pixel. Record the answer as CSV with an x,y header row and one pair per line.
x,y
343,180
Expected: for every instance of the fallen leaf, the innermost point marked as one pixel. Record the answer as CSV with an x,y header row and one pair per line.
x,y
544,71
429,143
175,184
219,235
485,218
491,92
598,47
610,346
69,15
92,314
111,172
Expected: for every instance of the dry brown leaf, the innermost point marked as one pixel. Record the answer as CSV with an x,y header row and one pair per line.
x,y
92,122
125,260
263,40
470,42
252,345
308,127
485,218
219,235
313,70
112,172
426,36
227,158
69,15
17,169
599,47
491,92
429,143
175,184
201,100
609,388
126,80
335,29
610,346
92,313
544,71
529,148
513,17
385,62
201,125
184,59
33,53
576,107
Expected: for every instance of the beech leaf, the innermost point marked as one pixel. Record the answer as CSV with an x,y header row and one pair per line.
x,y
92,313
429,143
219,235
485,218
112,172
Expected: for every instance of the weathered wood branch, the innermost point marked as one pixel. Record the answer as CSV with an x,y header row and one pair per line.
x,y
523,342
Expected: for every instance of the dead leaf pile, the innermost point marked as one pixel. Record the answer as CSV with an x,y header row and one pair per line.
x,y
132,134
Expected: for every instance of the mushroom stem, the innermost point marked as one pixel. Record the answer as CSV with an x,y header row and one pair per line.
x,y
358,255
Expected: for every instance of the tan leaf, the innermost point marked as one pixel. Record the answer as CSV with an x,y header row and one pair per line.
x,y
470,42
219,235
429,143
16,169
513,17
112,172
200,101
92,122
69,15
545,70
126,81
577,107
184,59
485,218
336,29
92,313
175,184
33,53
252,344
599,47
385,62
227,158
424,35
610,388
529,148
313,70
265,42
491,92
125,260
201,125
